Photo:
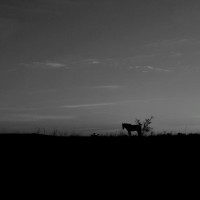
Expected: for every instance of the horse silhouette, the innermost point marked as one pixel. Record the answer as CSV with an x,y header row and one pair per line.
x,y
130,127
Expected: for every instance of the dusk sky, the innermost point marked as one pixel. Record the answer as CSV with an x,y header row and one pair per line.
x,y
86,65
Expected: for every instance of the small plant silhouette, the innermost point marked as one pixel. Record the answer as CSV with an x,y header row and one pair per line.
x,y
55,132
39,131
145,125
95,134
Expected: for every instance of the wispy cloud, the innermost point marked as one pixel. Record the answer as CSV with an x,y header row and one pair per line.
x,y
172,43
34,117
92,105
87,62
92,61
54,65
46,117
96,62
149,68
115,103
46,65
157,69
143,63
67,62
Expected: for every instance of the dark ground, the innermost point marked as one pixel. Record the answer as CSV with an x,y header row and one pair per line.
x,y
75,153
99,141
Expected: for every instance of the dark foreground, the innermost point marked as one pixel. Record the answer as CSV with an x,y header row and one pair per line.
x,y
39,136
98,141
93,137
93,151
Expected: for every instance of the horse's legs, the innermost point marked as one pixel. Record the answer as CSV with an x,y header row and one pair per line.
x,y
129,133
139,133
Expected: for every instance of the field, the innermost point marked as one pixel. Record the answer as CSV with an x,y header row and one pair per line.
x,y
79,151
96,139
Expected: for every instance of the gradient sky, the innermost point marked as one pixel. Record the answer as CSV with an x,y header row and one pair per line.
x,y
91,64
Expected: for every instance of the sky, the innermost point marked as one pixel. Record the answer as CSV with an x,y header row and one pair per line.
x,y
87,65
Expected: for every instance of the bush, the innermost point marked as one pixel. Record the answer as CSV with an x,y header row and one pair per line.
x,y
145,125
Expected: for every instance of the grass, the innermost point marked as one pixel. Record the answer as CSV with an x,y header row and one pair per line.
x,y
98,146
58,135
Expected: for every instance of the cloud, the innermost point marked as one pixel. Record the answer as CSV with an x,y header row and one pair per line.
x,y
139,62
96,62
54,65
34,117
92,61
47,117
46,65
172,43
66,61
116,103
149,68
145,71
157,69
87,62
89,105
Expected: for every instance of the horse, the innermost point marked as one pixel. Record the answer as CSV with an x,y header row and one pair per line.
x,y
130,127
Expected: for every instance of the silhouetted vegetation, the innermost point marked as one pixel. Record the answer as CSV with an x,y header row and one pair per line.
x,y
91,144
143,128
145,125
97,135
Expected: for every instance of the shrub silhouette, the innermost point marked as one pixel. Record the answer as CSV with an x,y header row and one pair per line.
x,y
95,135
145,125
